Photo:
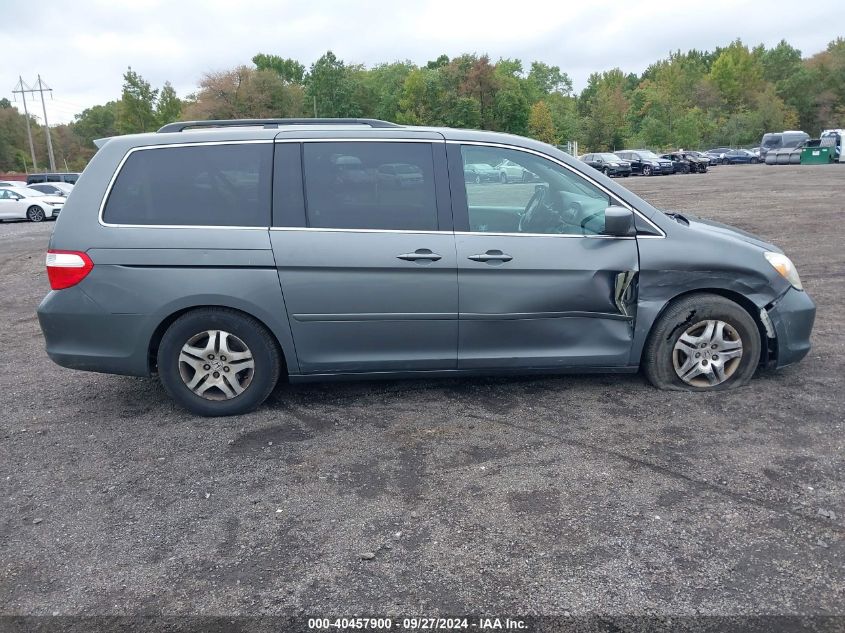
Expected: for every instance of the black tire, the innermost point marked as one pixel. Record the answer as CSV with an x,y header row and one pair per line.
x,y
702,168
657,360
265,353
626,174
754,161
725,161
503,177
647,170
35,214
478,180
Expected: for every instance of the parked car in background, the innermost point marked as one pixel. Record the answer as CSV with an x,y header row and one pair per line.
x,y
316,276
608,163
400,174
480,172
680,163
509,171
781,140
19,203
54,188
68,176
698,162
645,162
12,183
739,157
703,159
717,154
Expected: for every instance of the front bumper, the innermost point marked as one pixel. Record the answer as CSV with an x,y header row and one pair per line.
x,y
618,171
792,317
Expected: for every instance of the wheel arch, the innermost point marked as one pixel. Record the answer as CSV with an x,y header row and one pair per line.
x,y
161,328
767,347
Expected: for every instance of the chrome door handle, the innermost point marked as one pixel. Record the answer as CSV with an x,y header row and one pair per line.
x,y
420,254
491,256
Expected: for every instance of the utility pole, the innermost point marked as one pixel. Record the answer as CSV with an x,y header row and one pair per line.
x,y
22,88
41,89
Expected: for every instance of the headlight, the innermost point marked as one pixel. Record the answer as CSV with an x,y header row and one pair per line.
x,y
655,163
785,267
614,164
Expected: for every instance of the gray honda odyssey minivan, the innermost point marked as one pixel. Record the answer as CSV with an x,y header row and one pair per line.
x,y
223,254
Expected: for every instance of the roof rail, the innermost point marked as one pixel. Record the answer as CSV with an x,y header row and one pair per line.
x,y
180,126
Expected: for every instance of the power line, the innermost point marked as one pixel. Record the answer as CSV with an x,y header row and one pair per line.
x,y
22,88
40,88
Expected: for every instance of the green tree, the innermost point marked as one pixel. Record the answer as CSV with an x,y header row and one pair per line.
x,y
547,79
98,121
738,74
289,70
605,121
168,105
541,125
329,85
136,109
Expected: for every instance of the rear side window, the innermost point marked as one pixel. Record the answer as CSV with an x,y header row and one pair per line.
x,y
370,185
203,185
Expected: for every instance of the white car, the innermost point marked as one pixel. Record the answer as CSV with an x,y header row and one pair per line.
x,y
24,203
62,189
511,172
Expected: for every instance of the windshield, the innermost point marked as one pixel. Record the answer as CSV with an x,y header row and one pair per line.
x,y
648,155
770,140
609,157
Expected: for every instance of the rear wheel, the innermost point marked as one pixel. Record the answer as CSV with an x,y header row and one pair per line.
x,y
702,343
216,361
35,214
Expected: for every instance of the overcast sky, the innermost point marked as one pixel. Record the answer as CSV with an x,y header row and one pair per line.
x,y
82,48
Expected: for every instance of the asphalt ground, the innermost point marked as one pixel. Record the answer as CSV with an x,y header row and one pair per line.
x,y
540,495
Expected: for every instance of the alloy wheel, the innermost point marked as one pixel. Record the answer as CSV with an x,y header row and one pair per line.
x,y
216,365
707,354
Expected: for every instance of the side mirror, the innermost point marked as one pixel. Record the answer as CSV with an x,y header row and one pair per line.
x,y
619,222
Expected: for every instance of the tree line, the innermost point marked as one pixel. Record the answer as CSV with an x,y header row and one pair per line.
x,y
694,99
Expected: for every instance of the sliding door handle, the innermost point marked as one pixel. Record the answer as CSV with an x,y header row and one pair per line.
x,y
491,256
421,254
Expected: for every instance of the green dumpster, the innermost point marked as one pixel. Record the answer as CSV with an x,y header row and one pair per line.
x,y
815,156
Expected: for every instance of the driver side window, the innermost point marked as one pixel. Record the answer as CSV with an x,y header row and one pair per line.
x,y
510,191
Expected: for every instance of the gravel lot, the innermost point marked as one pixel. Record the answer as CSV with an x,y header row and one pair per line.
x,y
537,495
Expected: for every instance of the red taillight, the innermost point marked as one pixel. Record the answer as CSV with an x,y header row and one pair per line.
x,y
67,268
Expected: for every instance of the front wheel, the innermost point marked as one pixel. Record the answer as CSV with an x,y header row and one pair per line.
x,y
754,161
35,214
503,178
217,361
702,343
646,170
